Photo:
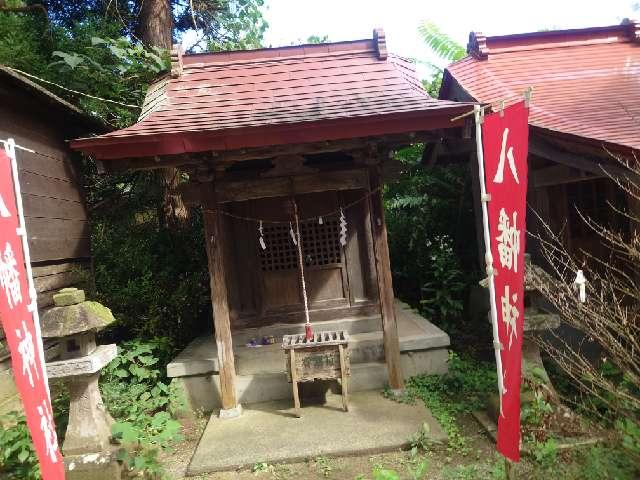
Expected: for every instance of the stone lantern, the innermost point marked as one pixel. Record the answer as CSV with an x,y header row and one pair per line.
x,y
87,449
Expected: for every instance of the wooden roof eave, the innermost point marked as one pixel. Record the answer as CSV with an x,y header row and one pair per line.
x,y
185,147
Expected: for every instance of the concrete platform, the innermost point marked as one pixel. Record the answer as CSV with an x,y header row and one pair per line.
x,y
268,432
261,371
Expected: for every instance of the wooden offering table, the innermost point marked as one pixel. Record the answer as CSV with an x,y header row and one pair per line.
x,y
324,357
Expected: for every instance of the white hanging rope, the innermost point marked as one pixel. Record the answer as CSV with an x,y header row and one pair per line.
x,y
479,116
301,263
70,90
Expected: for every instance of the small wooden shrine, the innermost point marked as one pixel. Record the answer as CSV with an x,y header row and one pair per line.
x,y
263,133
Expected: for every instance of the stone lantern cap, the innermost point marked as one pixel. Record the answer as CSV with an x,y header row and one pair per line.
x,y
72,314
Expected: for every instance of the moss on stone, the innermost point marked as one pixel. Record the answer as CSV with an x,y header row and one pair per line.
x,y
100,311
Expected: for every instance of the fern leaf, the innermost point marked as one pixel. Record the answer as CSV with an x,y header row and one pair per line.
x,y
441,43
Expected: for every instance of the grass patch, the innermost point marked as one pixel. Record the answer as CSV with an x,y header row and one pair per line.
x,y
463,389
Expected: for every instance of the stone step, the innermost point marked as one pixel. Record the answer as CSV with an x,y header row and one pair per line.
x,y
203,394
363,348
416,334
352,325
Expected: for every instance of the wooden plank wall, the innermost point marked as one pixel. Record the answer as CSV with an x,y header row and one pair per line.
x,y
55,211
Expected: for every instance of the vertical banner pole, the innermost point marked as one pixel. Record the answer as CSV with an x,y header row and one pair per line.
x,y
487,247
10,149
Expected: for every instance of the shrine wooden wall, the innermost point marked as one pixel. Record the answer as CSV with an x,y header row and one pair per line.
x,y
52,195
265,285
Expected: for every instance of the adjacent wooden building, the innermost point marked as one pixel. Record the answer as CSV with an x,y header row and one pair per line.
x,y
53,198
585,111
256,131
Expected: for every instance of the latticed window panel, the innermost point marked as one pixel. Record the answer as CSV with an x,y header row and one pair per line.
x,y
320,245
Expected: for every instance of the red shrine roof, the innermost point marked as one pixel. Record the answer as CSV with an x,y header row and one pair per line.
x,y
586,82
275,96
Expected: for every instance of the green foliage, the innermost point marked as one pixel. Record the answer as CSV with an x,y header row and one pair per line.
x,y
426,209
444,47
545,454
629,432
603,462
231,24
324,465
136,393
261,467
17,457
463,389
23,43
154,278
317,39
87,59
441,43
380,473
421,440
534,413
433,83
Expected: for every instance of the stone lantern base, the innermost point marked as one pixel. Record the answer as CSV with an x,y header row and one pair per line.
x,y
92,466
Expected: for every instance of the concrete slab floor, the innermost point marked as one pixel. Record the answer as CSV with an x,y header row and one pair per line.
x,y
269,432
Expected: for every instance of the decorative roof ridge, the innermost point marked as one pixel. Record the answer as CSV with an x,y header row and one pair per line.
x,y
156,96
481,46
633,29
380,41
477,46
176,61
278,53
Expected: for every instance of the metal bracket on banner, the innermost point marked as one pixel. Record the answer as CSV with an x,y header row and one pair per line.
x,y
501,108
498,345
486,197
528,93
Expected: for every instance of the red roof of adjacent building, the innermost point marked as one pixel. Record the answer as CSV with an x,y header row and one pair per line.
x,y
586,82
256,98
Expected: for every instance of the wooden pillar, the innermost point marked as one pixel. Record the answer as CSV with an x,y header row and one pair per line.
x,y
221,321
477,207
385,283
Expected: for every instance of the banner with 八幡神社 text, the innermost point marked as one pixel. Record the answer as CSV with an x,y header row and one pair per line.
x,y
505,145
16,307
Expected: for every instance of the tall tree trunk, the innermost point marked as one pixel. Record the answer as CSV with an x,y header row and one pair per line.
x,y
155,29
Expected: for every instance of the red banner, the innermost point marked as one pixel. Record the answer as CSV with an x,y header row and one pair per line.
x,y
505,142
23,341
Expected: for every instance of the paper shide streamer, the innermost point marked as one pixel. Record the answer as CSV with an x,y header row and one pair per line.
x,y
343,228
263,245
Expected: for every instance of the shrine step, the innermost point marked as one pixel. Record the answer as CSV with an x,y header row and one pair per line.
x,y
202,391
351,325
365,345
260,371
363,348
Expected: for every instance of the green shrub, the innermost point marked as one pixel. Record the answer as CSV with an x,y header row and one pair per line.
x,y
545,454
629,432
17,457
426,210
463,389
138,395
605,462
